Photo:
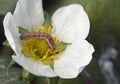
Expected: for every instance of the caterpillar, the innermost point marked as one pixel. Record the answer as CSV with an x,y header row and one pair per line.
x,y
39,35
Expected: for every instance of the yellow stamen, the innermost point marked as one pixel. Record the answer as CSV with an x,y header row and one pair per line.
x,y
52,57
41,28
33,53
39,49
45,56
48,30
55,39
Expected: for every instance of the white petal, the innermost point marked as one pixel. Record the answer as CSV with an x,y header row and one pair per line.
x,y
34,67
70,22
11,33
72,61
29,13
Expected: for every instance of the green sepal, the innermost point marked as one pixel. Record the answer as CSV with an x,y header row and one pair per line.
x,y
12,62
49,62
52,64
21,30
47,21
62,45
6,43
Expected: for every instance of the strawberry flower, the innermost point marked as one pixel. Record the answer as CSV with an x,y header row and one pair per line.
x,y
60,49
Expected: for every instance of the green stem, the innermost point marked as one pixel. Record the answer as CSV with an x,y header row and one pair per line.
x,y
53,80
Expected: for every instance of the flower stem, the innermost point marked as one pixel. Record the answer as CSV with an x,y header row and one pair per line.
x,y
53,80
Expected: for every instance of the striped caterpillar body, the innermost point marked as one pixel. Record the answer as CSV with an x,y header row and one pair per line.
x,y
39,35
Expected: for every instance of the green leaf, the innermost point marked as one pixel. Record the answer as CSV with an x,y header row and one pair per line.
x,y
6,43
12,62
12,76
27,76
7,6
21,30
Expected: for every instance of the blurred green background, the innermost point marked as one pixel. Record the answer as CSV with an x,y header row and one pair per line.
x,y
105,22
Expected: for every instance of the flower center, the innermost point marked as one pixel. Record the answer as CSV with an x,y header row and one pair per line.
x,y
35,48
41,46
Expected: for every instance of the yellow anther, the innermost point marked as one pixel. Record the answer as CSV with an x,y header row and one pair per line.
x,y
41,28
48,30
